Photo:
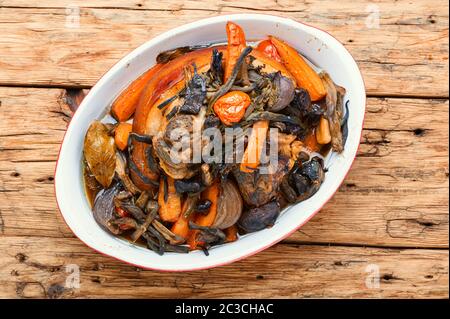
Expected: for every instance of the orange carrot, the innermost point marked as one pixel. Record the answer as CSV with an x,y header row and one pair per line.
x,y
181,226
212,194
170,203
236,44
310,142
231,234
305,76
121,135
252,154
125,105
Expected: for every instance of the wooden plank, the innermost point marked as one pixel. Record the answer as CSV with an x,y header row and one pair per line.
x,y
395,195
406,56
28,270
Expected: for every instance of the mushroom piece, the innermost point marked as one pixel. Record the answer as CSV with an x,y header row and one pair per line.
x,y
259,218
305,180
174,145
258,189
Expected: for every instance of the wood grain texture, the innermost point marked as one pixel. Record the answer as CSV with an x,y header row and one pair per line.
x,y
289,271
395,195
390,214
407,55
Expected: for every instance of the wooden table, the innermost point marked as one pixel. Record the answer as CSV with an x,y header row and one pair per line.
x,y
389,216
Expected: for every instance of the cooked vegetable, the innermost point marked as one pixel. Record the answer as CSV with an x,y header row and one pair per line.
x,y
121,135
181,226
230,108
205,220
236,44
158,177
121,165
323,131
169,200
267,47
259,218
100,153
257,189
335,111
229,206
305,76
284,92
125,105
104,209
257,139
231,234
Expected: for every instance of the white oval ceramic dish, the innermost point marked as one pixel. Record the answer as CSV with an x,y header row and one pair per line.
x,y
320,47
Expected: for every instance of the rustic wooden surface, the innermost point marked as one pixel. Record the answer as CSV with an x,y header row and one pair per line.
x,y
391,212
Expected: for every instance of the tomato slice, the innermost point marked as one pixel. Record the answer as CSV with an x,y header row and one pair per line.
x,y
267,47
230,108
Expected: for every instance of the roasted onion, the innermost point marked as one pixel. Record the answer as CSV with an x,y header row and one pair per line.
x,y
229,206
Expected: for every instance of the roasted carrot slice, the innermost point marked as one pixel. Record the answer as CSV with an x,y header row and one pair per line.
x,y
323,134
231,234
125,105
169,200
310,142
305,76
121,135
236,43
181,226
268,49
212,194
252,155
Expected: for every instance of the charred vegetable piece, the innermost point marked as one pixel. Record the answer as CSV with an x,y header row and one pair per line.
x,y
307,179
259,218
100,153
267,47
187,186
230,108
215,72
258,189
205,237
104,209
195,94
203,206
125,105
305,76
229,206
121,170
